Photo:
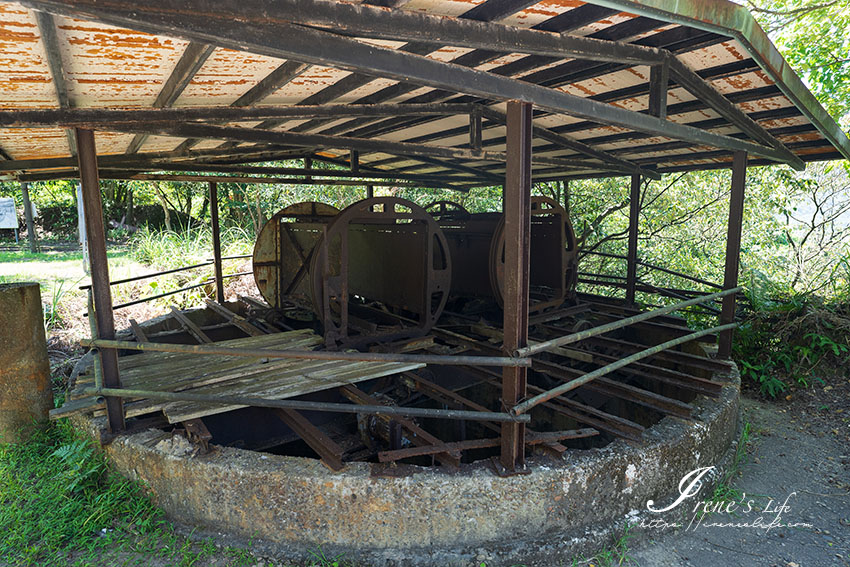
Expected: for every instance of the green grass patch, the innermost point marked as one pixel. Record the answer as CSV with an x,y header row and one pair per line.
x,y
62,504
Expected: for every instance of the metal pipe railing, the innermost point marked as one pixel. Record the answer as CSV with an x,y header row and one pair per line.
x,y
154,274
210,349
600,372
307,405
575,337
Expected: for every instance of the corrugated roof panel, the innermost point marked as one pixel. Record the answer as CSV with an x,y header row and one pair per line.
x,y
21,143
25,79
225,76
110,66
311,81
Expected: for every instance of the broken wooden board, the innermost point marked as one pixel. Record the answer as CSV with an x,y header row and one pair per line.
x,y
237,376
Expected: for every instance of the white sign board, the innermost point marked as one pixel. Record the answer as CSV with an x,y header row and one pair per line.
x,y
8,214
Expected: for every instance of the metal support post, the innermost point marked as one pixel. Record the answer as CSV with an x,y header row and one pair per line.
x,y
733,249
216,234
93,207
631,258
25,189
517,206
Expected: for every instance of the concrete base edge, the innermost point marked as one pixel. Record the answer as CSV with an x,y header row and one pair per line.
x,y
564,509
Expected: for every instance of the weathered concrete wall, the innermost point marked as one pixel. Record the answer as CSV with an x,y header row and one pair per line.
x,y
25,394
561,509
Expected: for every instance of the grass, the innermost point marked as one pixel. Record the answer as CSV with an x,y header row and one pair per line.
x,y
62,504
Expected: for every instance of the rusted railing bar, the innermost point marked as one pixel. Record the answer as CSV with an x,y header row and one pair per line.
x,y
211,349
599,372
306,405
154,274
619,324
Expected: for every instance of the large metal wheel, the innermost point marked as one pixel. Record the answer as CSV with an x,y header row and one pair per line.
x,y
552,271
382,250
284,249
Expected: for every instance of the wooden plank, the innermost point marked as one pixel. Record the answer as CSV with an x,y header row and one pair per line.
x,y
234,318
190,326
271,386
138,332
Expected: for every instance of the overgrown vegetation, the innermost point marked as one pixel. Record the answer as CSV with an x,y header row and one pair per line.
x,y
61,504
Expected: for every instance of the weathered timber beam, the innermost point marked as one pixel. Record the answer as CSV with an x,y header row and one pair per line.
x,y
102,117
323,48
47,29
193,58
611,162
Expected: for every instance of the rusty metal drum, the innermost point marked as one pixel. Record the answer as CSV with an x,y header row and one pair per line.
x,y
25,394
284,249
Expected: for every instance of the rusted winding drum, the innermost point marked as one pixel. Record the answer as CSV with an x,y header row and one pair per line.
x,y
384,250
25,394
477,247
284,249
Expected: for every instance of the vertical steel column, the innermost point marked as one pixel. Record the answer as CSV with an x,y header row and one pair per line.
x,y
93,207
25,190
631,258
733,249
370,191
516,203
216,234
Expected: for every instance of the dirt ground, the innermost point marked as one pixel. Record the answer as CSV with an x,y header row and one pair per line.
x,y
799,451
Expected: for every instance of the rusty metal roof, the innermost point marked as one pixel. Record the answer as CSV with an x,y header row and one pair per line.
x,y
85,63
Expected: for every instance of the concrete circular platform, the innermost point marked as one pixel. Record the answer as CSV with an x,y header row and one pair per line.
x,y
426,516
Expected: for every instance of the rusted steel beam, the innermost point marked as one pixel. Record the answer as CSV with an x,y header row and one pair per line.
x,y
582,413
96,236
705,92
47,29
330,452
100,117
304,405
516,204
444,183
659,78
686,359
153,275
609,161
562,389
190,62
148,159
419,436
312,354
619,324
533,439
216,234
197,433
316,46
733,249
631,258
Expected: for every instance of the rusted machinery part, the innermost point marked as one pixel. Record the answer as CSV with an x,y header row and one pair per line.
x,y
447,211
553,271
284,248
382,249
